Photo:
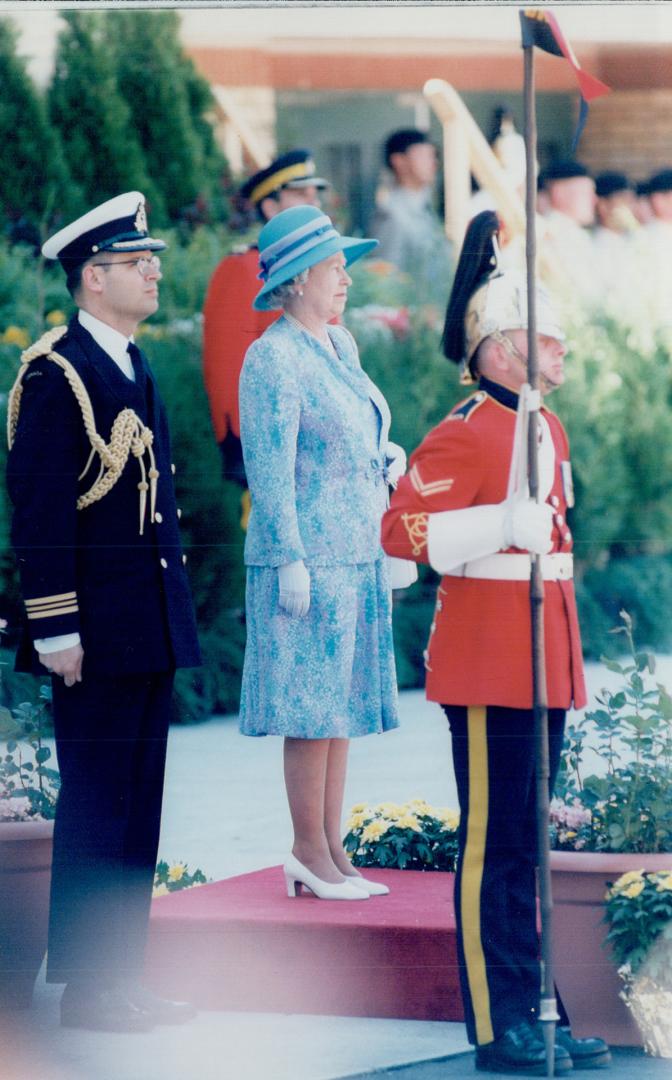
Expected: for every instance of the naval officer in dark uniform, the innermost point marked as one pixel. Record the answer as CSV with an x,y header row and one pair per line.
x,y
108,606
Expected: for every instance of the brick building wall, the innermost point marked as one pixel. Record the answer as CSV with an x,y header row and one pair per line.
x,y
630,130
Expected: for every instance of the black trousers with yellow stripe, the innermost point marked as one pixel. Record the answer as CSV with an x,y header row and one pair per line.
x,y
495,884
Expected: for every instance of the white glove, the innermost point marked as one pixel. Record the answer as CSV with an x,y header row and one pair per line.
x,y
528,525
455,537
294,583
395,460
403,572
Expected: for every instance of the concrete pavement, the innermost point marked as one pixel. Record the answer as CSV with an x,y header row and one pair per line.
x,y
225,811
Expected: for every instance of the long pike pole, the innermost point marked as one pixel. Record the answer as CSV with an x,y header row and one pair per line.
x,y
548,1014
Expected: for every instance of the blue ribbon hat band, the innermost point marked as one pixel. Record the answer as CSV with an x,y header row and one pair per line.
x,y
294,245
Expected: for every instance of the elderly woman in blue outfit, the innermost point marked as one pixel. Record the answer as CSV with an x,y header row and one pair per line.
x,y
319,662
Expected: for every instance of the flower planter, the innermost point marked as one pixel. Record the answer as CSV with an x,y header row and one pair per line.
x,y
25,874
585,972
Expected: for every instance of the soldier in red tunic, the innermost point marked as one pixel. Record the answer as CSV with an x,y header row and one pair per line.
x,y
457,510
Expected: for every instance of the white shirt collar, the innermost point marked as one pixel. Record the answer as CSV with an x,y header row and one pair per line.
x,y
110,340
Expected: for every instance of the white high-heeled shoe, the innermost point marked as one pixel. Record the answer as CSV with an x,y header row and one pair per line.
x,y
373,888
296,875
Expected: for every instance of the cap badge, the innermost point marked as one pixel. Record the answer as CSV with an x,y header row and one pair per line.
x,y
140,223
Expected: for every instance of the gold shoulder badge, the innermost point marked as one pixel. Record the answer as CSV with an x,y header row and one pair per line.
x,y
140,222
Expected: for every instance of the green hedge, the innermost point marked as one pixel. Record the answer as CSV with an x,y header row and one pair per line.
x,y
616,406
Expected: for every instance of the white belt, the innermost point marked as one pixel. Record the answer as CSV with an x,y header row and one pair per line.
x,y
558,566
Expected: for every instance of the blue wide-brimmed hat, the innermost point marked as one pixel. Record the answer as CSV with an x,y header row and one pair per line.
x,y
296,239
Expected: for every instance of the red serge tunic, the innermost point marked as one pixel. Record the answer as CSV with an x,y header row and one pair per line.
x,y
230,325
479,650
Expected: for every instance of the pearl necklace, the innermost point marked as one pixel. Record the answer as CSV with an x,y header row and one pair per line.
x,y
328,344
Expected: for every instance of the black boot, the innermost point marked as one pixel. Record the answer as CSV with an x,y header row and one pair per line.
x,y
157,1009
519,1050
101,1008
585,1053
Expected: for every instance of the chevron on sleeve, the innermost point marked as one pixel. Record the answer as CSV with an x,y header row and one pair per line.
x,y
429,488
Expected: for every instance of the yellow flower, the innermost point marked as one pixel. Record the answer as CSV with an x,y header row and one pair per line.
x,y
625,883
450,819
356,821
419,806
633,890
176,872
664,881
14,335
374,831
389,809
358,808
55,318
626,879
408,821
160,890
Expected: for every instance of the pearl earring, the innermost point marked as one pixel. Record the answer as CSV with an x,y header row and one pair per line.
x,y
300,292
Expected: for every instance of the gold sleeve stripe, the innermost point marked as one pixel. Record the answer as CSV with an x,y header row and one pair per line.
x,y
433,488
71,609
38,608
39,600
472,872
416,528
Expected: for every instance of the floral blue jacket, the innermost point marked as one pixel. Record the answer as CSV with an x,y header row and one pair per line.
x,y
314,430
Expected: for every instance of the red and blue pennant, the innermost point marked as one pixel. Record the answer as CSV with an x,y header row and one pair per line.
x,y
540,29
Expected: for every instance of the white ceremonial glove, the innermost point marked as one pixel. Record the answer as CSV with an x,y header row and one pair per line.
x,y
395,461
403,572
528,525
294,583
455,537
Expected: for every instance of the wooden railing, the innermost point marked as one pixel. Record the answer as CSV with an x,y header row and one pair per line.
x,y
465,151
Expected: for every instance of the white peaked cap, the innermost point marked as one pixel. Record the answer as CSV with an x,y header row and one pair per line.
x,y
119,224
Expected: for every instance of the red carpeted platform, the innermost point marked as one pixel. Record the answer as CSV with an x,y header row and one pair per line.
x,y
244,944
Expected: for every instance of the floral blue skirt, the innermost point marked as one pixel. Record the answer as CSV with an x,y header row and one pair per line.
x,y
330,674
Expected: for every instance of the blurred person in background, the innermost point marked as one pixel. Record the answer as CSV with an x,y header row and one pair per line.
x,y
653,245
613,242
614,204
405,222
508,146
230,323
659,187
319,659
642,207
569,195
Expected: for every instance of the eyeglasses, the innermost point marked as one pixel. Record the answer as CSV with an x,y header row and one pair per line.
x,y
145,266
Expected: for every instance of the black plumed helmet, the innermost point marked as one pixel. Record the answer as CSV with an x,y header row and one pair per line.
x,y
476,264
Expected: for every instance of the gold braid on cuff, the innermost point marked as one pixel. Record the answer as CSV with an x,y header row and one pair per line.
x,y
416,527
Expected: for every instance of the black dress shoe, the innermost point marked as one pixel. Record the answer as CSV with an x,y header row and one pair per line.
x,y
101,1009
585,1053
159,1010
519,1050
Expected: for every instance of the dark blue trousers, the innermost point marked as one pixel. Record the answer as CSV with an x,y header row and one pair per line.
x,y
111,738
495,884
